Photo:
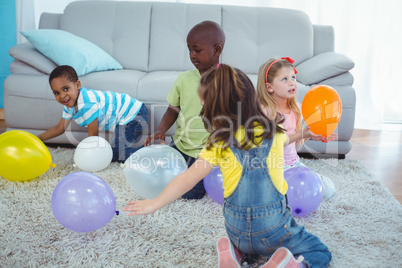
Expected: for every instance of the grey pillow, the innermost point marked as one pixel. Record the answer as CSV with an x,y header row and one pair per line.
x,y
322,67
26,53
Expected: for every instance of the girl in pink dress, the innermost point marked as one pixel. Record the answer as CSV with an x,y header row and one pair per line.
x,y
276,90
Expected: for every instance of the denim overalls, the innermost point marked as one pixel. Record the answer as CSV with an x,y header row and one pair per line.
x,y
257,218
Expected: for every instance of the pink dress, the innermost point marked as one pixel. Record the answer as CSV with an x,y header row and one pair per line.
x,y
290,152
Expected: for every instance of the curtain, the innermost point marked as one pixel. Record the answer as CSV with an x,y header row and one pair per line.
x,y
368,32
25,17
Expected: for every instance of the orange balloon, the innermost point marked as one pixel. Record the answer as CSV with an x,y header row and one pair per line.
x,y
322,110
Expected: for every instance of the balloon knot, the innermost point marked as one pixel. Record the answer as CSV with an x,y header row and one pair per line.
x,y
117,212
53,165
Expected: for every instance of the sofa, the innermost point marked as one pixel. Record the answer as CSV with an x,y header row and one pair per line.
x,y
148,39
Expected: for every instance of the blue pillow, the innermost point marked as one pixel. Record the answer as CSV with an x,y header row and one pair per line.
x,y
65,48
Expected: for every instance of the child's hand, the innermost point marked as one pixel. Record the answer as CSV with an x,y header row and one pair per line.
x,y
140,207
332,137
154,137
40,136
307,134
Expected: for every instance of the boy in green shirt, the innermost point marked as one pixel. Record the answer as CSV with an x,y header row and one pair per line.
x,y
205,43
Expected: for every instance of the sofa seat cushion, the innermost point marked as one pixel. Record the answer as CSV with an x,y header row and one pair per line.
x,y
122,81
155,86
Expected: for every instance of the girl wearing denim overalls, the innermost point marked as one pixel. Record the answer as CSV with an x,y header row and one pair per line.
x,y
248,147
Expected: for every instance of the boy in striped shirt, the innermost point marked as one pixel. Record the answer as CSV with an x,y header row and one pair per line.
x,y
98,111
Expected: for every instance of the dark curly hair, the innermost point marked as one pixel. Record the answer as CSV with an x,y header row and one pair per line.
x,y
64,71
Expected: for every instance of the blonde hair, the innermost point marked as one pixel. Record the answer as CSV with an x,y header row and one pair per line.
x,y
266,99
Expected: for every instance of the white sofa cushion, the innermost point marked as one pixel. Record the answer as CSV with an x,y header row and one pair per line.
x,y
119,28
253,35
170,26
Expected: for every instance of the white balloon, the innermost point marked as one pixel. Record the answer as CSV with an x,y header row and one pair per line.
x,y
151,168
93,154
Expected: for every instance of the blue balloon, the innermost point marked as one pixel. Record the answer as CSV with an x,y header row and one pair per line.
x,y
213,184
304,190
150,169
83,202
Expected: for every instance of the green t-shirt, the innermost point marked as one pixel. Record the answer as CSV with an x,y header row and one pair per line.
x,y
190,135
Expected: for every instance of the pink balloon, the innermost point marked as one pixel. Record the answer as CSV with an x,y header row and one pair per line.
x,y
213,184
304,190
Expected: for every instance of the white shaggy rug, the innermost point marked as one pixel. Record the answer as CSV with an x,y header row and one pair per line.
x,y
361,224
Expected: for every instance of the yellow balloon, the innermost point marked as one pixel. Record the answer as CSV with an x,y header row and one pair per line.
x,y
23,156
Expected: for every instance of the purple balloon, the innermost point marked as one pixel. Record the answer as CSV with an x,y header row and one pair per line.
x,y
304,190
213,184
83,202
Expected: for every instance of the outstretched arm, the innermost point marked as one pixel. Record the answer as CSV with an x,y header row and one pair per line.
x,y
55,131
175,189
167,121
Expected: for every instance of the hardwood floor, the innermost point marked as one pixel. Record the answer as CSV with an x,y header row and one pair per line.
x,y
379,151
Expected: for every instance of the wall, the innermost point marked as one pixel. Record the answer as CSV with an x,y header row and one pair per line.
x,y
8,39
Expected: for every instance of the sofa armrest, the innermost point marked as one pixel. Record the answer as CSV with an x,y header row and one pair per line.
x,y
345,79
322,67
324,39
19,67
49,21
27,54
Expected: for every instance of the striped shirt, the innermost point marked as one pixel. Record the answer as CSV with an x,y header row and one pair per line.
x,y
109,107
